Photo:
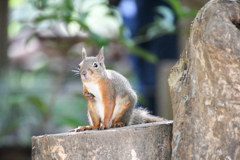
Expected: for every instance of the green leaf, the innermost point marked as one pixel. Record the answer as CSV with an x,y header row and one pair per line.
x,y
14,28
46,17
144,54
81,23
99,40
181,11
130,44
177,7
36,101
68,4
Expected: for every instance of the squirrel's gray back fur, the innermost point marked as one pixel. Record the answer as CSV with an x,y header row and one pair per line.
x,y
137,115
121,85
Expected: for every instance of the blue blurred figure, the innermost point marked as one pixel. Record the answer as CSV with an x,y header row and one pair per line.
x,y
137,14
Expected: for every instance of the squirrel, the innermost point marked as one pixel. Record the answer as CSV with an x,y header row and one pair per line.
x,y
111,99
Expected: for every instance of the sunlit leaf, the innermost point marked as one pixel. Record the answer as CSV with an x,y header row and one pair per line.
x,y
14,28
14,3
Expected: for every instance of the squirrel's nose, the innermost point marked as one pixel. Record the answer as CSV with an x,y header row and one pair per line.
x,y
84,73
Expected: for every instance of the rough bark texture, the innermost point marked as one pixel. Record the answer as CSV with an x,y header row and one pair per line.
x,y
137,142
205,86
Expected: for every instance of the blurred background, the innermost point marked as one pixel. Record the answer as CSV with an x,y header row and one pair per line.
x,y
40,47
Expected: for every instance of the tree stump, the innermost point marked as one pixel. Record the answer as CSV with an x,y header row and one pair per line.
x,y
136,142
205,86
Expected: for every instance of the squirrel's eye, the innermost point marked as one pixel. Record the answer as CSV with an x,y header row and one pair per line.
x,y
95,65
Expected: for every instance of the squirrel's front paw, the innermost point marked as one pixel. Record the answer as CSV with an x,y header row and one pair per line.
x,y
81,129
89,96
102,127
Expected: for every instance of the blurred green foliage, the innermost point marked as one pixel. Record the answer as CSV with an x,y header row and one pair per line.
x,y
25,109
38,101
77,18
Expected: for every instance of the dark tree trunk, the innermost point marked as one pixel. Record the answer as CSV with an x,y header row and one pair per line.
x,y
3,33
205,86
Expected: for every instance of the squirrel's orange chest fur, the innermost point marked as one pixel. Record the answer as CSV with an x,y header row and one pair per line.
x,y
104,98
94,89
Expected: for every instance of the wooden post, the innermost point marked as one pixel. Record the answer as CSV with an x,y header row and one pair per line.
x,y
136,142
205,86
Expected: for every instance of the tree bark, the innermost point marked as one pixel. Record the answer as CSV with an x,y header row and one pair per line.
x,y
205,86
136,142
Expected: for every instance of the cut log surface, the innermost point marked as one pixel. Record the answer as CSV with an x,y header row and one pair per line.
x,y
205,86
136,142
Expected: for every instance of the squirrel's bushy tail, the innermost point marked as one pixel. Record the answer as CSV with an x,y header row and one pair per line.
x,y
141,115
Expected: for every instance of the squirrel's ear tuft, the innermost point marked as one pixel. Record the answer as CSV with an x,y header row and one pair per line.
x,y
84,53
100,55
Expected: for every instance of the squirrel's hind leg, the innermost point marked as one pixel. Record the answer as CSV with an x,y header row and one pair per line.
x,y
122,115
